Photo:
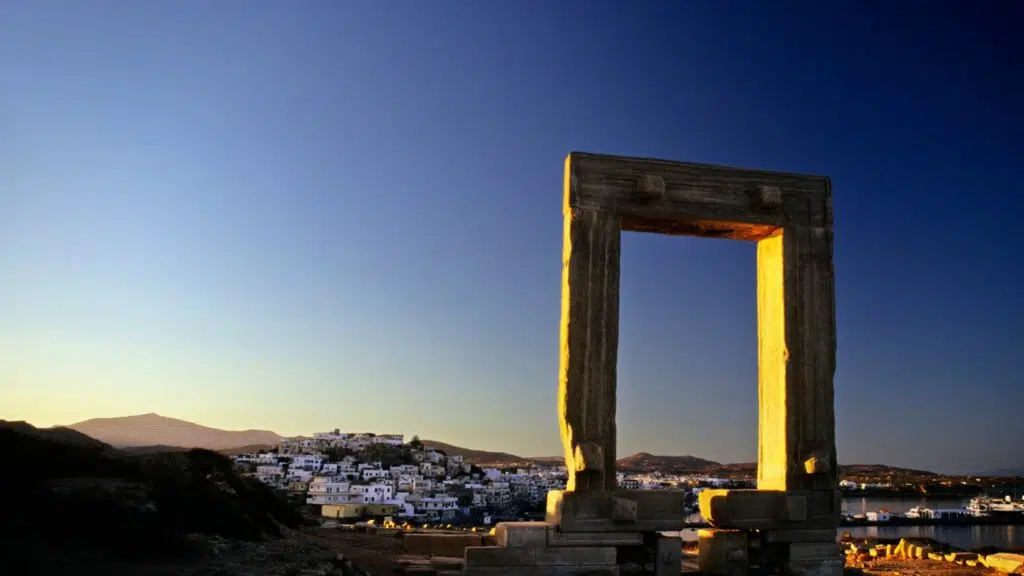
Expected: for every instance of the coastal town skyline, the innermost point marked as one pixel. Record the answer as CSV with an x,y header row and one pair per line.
x,y
350,214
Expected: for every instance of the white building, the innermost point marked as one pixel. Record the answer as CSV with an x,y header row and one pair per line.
x,y
389,439
269,474
433,456
329,491
421,484
299,475
373,493
406,482
435,507
431,470
308,461
375,473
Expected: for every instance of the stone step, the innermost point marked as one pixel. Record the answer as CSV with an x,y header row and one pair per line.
x,y
611,570
548,535
477,556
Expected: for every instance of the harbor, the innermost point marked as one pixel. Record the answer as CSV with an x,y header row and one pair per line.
x,y
965,524
977,511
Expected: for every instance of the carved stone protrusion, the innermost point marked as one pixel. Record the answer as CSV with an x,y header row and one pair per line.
x,y
651,187
818,462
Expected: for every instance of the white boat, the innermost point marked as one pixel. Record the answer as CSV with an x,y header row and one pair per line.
x,y
921,512
983,506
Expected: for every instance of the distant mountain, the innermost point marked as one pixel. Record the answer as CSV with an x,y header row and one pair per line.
x,y
644,462
854,470
478,457
248,449
153,430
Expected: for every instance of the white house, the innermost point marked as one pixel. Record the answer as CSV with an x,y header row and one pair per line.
x,y
375,473
299,475
373,493
433,456
308,461
329,491
433,470
389,439
269,474
406,482
420,484
435,507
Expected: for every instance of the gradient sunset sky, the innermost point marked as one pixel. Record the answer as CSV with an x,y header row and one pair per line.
x,y
302,215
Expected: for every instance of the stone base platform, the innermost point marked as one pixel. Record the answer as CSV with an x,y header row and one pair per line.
x,y
543,549
770,531
617,511
744,552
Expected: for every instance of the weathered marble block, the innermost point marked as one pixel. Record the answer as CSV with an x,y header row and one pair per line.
x,y
771,509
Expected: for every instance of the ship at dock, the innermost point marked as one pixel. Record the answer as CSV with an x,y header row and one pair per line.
x,y
988,507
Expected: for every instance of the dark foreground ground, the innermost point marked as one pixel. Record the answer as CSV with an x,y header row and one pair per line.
x,y
304,551
316,551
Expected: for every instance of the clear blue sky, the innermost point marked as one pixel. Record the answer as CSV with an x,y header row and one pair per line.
x,y
307,215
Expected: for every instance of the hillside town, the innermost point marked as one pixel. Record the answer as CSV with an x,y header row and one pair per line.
x,y
364,475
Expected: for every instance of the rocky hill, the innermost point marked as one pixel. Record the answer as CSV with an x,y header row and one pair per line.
x,y
644,462
74,500
156,430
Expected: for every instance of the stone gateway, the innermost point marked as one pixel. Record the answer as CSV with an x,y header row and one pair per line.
x,y
788,524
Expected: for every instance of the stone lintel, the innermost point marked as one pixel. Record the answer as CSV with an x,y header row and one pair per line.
x,y
771,509
477,556
693,199
618,511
